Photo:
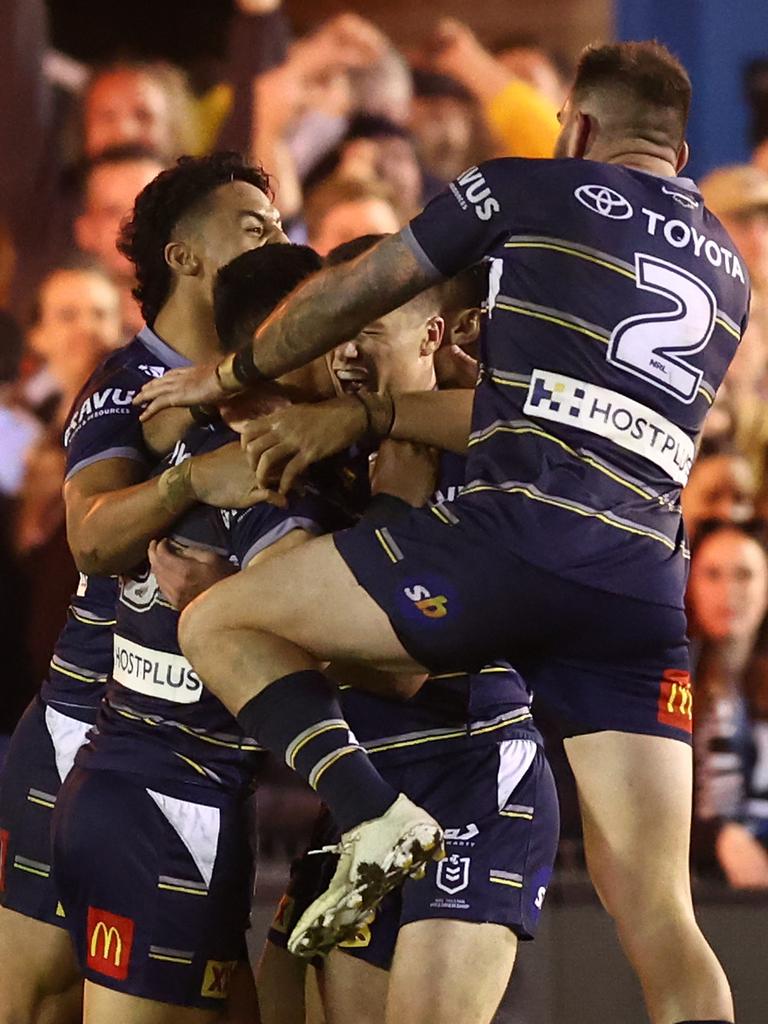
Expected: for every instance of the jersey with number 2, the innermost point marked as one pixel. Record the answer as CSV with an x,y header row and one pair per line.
x,y
617,301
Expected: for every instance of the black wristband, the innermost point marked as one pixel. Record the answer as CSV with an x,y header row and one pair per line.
x,y
372,431
244,369
204,415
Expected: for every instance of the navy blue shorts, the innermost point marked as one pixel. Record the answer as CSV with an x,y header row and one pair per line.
x,y
499,808
458,602
41,753
156,885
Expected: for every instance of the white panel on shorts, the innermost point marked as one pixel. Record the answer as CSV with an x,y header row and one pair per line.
x,y
198,827
515,758
67,735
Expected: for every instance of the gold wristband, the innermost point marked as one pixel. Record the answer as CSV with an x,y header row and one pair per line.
x,y
175,488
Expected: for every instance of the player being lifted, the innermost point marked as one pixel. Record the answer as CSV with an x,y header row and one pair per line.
x,y
618,301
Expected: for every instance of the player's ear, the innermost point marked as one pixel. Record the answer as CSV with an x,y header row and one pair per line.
x,y
181,259
466,327
682,157
433,336
585,132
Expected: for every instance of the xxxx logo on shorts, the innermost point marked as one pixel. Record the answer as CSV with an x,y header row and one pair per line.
x,y
675,705
109,942
217,978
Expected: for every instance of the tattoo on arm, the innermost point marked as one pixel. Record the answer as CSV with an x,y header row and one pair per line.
x,y
337,303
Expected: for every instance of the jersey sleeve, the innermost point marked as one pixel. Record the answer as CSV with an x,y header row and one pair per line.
x,y
462,224
104,424
255,529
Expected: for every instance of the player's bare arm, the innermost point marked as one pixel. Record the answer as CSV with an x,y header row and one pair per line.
x,y
334,305
112,514
284,444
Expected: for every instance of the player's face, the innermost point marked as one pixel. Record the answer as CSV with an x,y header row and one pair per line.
x,y
394,353
720,487
728,587
127,107
79,319
239,217
350,220
111,192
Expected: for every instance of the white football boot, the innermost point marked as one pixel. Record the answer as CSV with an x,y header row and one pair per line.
x,y
376,857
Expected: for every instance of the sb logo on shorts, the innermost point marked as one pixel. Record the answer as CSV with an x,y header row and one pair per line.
x,y
433,607
675,706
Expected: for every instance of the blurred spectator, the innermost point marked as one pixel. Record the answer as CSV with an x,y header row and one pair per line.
x,y
376,150
112,182
531,62
447,126
721,486
384,87
738,196
19,429
728,601
77,322
522,120
142,104
338,211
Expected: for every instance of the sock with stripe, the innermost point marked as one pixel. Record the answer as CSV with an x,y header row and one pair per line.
x,y
299,718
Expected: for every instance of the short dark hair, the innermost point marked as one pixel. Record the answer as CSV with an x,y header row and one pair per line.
x,y
162,204
253,284
652,78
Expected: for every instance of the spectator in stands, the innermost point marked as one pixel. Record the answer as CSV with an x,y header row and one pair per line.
x,y
77,321
522,120
531,62
728,601
112,182
447,126
721,486
19,429
338,211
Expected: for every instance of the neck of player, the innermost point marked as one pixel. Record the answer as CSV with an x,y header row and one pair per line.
x,y
185,322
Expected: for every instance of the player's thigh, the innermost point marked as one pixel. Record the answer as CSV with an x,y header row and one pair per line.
x,y
307,596
355,992
242,1001
449,972
280,982
105,1006
40,960
635,795
66,1008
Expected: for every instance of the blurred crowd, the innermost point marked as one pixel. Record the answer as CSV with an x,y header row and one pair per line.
x,y
357,135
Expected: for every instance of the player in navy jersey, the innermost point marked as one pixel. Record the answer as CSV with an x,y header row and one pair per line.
x,y
187,223
617,301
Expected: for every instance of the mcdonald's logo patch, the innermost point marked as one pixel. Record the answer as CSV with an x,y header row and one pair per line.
x,y
217,978
675,706
361,940
110,939
4,840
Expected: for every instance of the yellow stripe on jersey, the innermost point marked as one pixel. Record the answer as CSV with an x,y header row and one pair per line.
x,y
534,429
558,321
547,499
506,881
727,327
76,675
91,622
602,260
182,888
372,748
382,541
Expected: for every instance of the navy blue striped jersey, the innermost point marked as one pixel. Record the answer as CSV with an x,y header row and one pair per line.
x,y
617,301
101,425
451,711
158,720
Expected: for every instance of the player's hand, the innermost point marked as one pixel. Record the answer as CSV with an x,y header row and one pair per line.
x,y
458,53
284,444
183,573
406,470
192,385
454,368
742,857
224,479
237,412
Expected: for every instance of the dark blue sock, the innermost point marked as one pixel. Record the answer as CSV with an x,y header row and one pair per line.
x,y
299,718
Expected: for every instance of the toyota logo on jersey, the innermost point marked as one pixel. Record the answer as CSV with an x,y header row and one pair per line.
x,y
605,201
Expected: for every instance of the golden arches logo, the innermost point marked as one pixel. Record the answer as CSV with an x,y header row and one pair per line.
x,y
109,934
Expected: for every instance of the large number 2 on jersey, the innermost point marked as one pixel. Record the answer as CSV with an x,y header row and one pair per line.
x,y
652,345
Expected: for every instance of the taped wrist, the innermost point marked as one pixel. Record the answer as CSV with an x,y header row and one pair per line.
x,y
175,488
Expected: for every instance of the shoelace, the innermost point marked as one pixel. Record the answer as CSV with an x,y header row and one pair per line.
x,y
344,844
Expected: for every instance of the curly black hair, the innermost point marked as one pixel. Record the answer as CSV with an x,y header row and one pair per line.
x,y
160,206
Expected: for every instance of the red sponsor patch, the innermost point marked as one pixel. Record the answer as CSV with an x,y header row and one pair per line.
x,y
5,838
676,699
110,938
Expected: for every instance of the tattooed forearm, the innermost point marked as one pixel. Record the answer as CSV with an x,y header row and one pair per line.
x,y
337,303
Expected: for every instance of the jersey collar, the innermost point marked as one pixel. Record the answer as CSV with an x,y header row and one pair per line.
x,y
162,349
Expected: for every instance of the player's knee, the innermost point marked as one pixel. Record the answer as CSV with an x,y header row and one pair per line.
x,y
196,628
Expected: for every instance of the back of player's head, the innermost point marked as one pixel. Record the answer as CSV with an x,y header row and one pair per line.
x,y
643,89
175,195
251,286
351,250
